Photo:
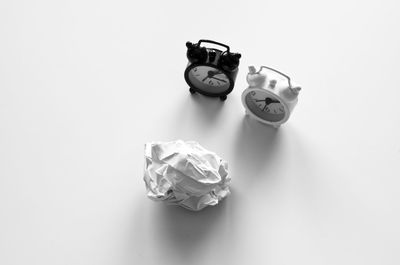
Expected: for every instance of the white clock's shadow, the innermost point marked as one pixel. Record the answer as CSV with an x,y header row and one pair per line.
x,y
256,148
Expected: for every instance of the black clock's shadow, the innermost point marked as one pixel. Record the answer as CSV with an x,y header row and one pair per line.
x,y
206,107
256,146
198,111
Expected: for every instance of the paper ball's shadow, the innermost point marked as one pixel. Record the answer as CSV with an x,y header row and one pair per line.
x,y
185,231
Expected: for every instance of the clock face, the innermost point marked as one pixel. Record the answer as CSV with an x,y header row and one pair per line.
x,y
209,79
265,106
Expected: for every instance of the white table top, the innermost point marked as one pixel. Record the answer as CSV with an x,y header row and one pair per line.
x,y
85,84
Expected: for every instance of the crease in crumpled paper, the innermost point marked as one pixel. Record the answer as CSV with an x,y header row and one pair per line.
x,y
186,174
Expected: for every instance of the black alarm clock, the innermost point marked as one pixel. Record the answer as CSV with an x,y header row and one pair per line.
x,y
211,72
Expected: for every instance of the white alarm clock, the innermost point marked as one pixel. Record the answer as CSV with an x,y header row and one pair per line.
x,y
270,98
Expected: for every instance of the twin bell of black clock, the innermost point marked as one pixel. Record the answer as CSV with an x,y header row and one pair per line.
x,y
270,97
210,71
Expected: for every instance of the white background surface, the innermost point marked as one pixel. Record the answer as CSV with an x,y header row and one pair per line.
x,y
84,84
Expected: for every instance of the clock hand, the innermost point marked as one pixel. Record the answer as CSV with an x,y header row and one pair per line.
x,y
265,107
211,74
219,79
270,100
214,73
267,101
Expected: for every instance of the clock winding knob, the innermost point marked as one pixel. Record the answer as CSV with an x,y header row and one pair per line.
x,y
211,56
272,84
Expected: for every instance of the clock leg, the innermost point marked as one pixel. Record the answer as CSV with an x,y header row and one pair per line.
x,y
222,98
191,90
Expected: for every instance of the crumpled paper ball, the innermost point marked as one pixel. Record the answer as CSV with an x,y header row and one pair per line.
x,y
186,174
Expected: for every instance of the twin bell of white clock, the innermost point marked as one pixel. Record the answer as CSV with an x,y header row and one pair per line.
x,y
270,97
